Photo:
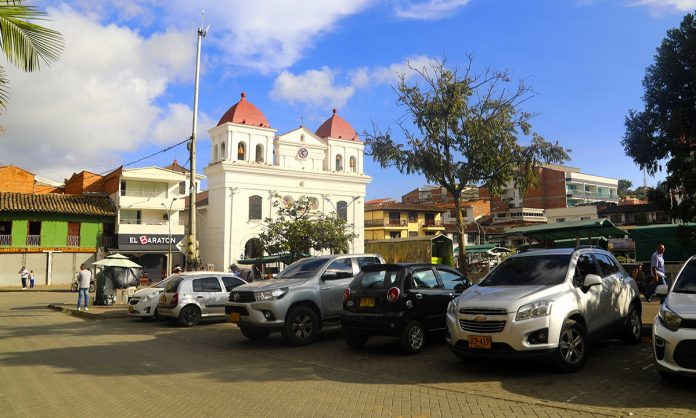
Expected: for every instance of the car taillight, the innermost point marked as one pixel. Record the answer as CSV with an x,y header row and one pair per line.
x,y
346,294
393,294
175,299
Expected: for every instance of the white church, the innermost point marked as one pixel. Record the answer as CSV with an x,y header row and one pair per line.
x,y
250,164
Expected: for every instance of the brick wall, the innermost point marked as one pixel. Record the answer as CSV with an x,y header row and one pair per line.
x,y
550,191
84,182
14,179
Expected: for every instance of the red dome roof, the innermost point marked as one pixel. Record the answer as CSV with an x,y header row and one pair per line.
x,y
337,127
244,113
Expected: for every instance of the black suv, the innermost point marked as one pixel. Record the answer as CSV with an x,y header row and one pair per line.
x,y
401,300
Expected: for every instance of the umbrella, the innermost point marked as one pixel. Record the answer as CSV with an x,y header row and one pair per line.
x,y
116,262
117,255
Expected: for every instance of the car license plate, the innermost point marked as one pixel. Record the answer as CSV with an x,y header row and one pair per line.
x,y
367,302
234,317
130,309
480,342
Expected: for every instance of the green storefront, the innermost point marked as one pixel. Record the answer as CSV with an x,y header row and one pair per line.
x,y
52,234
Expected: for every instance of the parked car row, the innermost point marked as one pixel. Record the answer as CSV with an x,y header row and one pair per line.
x,y
548,304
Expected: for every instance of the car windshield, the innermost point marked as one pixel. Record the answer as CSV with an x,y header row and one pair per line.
x,y
173,284
686,282
541,270
162,284
302,269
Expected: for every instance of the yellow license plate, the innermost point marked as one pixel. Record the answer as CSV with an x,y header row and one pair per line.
x,y
480,342
367,302
130,309
234,317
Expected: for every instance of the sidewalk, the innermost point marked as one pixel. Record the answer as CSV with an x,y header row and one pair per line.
x,y
37,288
94,312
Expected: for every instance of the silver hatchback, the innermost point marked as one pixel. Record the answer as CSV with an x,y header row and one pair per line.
x,y
189,297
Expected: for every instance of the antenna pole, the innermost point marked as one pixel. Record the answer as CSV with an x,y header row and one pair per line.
x,y
192,252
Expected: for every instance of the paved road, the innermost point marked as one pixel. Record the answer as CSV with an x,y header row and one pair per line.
x,y
53,364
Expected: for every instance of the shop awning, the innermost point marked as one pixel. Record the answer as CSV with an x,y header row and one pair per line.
x,y
473,249
591,228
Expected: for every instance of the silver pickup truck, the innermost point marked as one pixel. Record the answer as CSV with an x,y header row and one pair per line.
x,y
299,301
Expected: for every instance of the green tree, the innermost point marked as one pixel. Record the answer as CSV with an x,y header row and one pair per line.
x,y
624,188
297,229
25,44
463,130
664,133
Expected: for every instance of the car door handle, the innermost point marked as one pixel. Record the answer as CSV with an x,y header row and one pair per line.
x,y
200,297
419,296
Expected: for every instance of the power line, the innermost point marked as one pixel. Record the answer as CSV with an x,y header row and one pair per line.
x,y
148,156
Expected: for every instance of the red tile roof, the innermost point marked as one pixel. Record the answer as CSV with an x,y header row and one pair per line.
x,y
57,203
337,127
244,113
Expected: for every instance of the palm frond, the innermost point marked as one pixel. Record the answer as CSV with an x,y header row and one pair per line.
x,y
4,89
24,43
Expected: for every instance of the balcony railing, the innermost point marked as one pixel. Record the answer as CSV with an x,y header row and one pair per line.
x,y
428,223
33,240
73,240
589,195
141,222
149,195
108,242
386,222
5,239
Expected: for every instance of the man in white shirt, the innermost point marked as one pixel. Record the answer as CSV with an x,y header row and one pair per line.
x,y
84,277
657,270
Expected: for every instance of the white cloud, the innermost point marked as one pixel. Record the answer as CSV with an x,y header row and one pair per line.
x,y
320,88
428,9
99,100
314,87
667,5
175,124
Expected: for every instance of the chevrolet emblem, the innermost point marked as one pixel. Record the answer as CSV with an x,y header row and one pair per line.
x,y
479,317
235,297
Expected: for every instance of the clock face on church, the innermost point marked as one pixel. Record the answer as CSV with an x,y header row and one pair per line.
x,y
302,153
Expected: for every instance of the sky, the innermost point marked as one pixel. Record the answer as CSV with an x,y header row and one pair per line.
x,y
123,88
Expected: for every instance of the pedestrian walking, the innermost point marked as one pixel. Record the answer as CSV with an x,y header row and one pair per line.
x,y
24,275
84,277
657,272
32,278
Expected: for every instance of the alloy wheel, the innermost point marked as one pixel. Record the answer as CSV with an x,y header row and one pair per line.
x,y
572,346
302,326
415,337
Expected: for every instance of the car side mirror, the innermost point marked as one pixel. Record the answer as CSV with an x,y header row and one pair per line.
x,y
330,275
661,290
592,280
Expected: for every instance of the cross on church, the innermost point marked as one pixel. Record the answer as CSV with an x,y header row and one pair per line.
x,y
302,120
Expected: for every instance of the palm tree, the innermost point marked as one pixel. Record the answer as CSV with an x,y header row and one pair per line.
x,y
25,44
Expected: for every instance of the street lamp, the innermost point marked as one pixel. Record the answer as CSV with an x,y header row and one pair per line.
x,y
169,225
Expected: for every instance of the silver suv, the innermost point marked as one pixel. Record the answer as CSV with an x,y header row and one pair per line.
x,y
189,297
301,299
546,303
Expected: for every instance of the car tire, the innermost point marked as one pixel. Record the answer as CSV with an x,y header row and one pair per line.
x,y
73,287
301,326
413,338
255,334
189,316
92,287
633,327
571,354
355,340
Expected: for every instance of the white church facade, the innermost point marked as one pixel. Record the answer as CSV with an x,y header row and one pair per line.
x,y
250,164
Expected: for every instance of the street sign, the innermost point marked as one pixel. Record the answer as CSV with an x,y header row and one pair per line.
x,y
181,245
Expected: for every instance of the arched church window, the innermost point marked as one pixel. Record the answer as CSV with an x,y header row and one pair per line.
x,y
342,210
252,248
223,151
339,163
255,207
353,165
259,153
241,151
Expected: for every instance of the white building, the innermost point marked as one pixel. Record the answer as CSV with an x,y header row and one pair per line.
x,y
249,165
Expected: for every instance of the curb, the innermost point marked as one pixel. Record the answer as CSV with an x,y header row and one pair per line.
x,y
20,290
118,313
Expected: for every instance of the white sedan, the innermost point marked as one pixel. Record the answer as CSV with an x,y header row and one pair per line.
x,y
143,303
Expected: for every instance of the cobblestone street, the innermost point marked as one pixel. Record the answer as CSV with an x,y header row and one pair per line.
x,y
54,364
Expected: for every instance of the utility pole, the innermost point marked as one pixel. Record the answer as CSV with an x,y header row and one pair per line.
x,y
192,253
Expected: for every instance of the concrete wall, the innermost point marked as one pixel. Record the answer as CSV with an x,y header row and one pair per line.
x,y
62,271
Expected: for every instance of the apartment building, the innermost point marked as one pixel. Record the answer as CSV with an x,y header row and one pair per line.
x,y
387,218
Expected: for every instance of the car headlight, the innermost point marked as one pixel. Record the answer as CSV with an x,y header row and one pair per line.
x,y
452,309
270,294
146,298
534,310
669,319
